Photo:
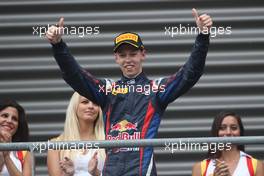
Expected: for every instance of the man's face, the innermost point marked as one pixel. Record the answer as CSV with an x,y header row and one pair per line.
x,y
130,59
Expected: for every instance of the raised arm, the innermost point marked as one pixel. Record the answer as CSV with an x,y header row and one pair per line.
x,y
191,71
79,79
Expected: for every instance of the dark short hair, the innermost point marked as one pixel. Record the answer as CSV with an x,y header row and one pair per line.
x,y
216,127
22,133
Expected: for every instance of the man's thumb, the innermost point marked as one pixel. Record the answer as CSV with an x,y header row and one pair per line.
x,y
61,22
195,14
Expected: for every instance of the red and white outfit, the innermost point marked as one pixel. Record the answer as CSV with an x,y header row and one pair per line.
x,y
14,157
246,166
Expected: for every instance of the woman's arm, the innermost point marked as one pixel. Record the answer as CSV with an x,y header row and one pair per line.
x,y
53,162
27,165
196,171
11,167
92,165
260,169
2,161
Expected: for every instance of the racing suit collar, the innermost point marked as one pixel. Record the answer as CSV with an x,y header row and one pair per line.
x,y
133,80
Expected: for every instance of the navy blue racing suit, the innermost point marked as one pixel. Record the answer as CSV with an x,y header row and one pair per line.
x,y
132,108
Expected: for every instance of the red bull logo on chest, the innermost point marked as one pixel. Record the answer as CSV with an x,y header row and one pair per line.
x,y
124,130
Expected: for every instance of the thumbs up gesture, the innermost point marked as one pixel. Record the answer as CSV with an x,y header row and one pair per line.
x,y
54,33
204,21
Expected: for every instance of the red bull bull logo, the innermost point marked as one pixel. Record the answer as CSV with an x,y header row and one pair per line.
x,y
116,127
131,126
124,125
124,130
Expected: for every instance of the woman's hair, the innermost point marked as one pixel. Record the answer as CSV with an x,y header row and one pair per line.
x,y
22,132
72,128
216,127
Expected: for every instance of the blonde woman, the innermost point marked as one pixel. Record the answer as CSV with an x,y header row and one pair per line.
x,y
84,121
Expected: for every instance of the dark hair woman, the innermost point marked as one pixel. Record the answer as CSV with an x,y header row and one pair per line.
x,y
231,160
13,128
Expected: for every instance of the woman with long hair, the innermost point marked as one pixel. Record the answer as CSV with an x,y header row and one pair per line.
x,y
84,121
232,160
13,128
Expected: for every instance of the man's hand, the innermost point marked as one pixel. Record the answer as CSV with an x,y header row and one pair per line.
x,y
54,33
204,21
